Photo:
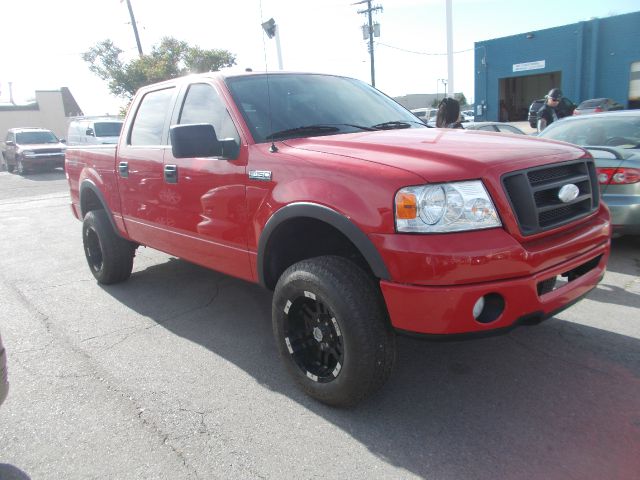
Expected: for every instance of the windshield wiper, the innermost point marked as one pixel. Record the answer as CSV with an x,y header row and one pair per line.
x,y
394,125
316,129
304,130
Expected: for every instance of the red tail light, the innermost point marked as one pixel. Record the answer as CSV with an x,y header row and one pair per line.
x,y
598,110
618,176
576,112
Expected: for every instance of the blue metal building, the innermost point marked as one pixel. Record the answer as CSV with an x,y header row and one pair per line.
x,y
591,59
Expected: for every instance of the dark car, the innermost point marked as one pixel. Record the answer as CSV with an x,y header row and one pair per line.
x,y
28,149
493,127
565,108
4,384
614,141
598,105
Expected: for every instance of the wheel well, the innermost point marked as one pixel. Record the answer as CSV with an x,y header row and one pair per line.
x,y
89,201
300,238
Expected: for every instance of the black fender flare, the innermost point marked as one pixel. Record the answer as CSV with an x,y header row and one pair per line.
x,y
331,217
90,185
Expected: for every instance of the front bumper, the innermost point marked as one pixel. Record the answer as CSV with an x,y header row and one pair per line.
x,y
43,160
446,310
436,281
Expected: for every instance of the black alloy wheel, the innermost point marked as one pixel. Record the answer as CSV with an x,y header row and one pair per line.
x,y
313,338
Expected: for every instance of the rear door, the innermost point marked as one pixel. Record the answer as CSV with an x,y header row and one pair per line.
x,y
139,169
205,198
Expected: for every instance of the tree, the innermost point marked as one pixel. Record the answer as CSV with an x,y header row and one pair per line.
x,y
170,59
462,100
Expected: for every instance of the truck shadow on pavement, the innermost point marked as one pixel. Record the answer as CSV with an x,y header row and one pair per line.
x,y
558,400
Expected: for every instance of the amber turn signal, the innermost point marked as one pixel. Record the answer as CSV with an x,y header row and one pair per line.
x,y
406,206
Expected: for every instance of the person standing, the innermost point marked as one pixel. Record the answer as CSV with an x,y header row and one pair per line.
x,y
448,115
548,113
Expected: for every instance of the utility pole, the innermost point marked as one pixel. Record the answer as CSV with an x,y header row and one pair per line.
x,y
135,26
369,29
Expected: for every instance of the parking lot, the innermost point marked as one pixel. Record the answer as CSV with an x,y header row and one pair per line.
x,y
174,374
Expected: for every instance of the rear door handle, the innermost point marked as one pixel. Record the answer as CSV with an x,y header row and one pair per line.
x,y
123,168
171,173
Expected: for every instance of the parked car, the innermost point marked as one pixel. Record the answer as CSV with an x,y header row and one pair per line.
x,y
4,384
467,115
94,130
597,105
27,149
493,127
565,109
614,141
425,114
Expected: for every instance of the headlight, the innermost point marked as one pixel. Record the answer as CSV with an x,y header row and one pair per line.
x,y
28,153
445,207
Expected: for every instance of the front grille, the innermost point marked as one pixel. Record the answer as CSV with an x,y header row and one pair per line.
x,y
42,151
533,194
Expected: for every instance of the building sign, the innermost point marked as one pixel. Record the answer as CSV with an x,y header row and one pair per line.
x,y
521,67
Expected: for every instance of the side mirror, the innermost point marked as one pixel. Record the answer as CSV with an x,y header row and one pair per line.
x,y
194,140
9,143
63,140
90,132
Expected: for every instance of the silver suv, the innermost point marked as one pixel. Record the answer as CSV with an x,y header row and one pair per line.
x,y
29,149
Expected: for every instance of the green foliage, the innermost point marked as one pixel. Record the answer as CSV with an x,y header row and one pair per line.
x,y
462,100
436,102
170,59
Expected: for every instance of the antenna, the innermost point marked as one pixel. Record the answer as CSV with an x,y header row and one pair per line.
x,y
269,30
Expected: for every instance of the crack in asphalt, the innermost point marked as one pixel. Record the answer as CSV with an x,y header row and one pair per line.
x,y
168,319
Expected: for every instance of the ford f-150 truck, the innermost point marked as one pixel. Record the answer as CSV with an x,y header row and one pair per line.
x,y
363,221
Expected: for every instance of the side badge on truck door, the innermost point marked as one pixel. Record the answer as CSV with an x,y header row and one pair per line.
x,y
262,175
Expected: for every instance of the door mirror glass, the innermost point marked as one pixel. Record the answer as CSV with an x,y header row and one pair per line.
x,y
194,140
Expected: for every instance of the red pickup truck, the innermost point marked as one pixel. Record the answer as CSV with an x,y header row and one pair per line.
x,y
363,221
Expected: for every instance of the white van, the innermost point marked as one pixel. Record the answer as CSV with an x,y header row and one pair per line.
x,y
94,130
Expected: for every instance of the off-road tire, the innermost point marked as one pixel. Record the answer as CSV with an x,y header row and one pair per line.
x,y
110,257
331,300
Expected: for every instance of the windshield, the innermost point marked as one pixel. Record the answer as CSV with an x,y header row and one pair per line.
x,y
303,105
34,138
107,129
602,130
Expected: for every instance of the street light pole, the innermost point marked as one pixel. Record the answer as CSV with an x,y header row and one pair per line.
x,y
272,30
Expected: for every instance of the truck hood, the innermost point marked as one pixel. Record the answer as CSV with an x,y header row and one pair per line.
x,y
443,154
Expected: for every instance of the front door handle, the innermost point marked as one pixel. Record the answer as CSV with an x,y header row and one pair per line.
x,y
171,173
123,168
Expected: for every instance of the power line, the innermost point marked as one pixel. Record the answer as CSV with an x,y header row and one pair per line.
x,y
424,53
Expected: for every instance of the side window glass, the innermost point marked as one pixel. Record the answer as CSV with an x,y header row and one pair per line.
x,y
149,122
202,104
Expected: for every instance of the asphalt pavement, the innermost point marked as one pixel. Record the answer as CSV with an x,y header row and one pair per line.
x,y
174,375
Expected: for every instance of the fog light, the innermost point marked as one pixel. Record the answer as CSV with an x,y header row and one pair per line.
x,y
478,307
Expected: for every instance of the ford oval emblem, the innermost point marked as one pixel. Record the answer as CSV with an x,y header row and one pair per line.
x,y
568,193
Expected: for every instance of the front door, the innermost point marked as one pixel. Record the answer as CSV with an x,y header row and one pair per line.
x,y
205,198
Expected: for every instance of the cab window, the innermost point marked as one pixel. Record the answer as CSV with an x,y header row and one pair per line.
x,y
148,125
202,104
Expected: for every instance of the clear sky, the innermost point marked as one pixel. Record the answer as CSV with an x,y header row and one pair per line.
x,y
41,41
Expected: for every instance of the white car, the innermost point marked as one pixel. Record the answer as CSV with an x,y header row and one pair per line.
x,y
425,114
